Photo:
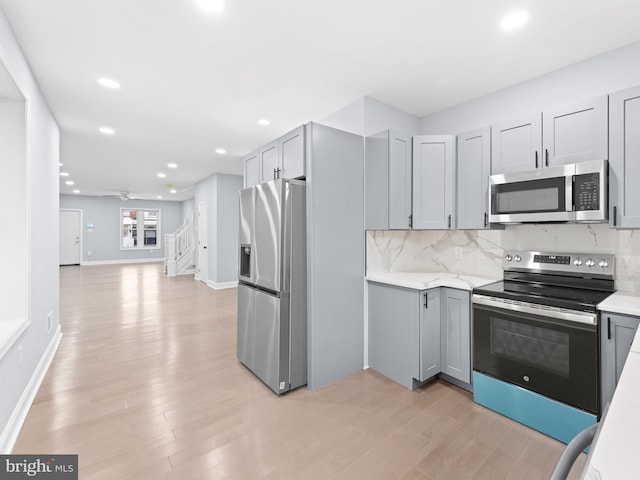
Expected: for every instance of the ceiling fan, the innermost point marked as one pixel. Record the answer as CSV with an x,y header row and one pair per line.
x,y
124,196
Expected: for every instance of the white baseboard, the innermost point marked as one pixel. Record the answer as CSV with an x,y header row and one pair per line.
x,y
196,277
14,425
118,262
222,285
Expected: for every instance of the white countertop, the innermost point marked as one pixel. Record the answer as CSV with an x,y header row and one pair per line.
x,y
425,280
621,302
613,457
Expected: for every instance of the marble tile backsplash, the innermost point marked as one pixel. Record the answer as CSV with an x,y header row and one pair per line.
x,y
479,252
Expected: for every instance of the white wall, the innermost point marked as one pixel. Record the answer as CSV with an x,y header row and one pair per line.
x,y
42,189
103,240
221,193
600,75
367,116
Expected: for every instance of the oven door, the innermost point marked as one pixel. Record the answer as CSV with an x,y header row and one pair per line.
x,y
551,353
540,196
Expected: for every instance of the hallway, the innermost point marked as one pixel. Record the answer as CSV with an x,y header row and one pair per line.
x,y
146,385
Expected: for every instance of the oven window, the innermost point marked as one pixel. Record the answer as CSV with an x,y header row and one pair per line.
x,y
531,345
545,195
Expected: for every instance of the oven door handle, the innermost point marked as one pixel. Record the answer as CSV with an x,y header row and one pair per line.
x,y
551,312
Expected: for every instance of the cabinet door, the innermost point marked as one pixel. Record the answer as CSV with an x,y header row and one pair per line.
x,y
474,168
376,173
516,145
268,159
456,336
617,334
624,162
433,182
393,332
399,181
251,170
429,333
576,133
291,150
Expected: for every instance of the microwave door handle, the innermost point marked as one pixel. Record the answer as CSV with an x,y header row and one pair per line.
x,y
569,196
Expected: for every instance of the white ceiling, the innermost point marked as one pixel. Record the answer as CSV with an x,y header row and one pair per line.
x,y
193,82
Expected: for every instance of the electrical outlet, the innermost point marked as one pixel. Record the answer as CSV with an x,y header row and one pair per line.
x,y
457,253
20,355
49,321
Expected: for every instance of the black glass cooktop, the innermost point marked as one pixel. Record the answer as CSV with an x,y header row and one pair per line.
x,y
569,297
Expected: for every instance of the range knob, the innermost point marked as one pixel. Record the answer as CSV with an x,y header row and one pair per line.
x,y
578,262
517,258
603,263
590,263
508,258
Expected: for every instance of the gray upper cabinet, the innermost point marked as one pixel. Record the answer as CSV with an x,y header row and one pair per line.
x,y
434,182
617,334
291,151
388,181
474,168
624,161
268,159
578,133
570,134
516,145
251,170
456,334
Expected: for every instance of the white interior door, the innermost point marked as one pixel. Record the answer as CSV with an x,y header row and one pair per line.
x,y
70,228
203,252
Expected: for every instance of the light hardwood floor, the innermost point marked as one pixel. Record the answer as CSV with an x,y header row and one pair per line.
x,y
146,385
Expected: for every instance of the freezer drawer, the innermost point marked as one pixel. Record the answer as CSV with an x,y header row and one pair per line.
x,y
246,321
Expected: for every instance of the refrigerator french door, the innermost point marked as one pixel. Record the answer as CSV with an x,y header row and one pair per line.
x,y
272,284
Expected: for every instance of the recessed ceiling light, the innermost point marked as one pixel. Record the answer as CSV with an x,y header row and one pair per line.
x,y
70,182
109,83
211,6
159,197
173,191
172,165
264,122
220,151
64,174
107,130
514,20
162,175
76,191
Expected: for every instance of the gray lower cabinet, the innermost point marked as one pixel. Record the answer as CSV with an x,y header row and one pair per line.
x,y
624,161
617,333
415,335
455,334
434,186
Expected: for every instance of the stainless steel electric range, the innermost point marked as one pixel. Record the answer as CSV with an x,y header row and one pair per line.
x,y
536,355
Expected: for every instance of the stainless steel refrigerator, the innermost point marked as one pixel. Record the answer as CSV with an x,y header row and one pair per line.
x,y
272,307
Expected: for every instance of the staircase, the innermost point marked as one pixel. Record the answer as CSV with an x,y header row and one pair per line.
x,y
179,250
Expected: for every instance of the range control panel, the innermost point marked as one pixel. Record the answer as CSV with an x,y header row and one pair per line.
x,y
600,263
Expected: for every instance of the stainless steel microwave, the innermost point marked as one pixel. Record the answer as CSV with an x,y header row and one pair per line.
x,y
567,193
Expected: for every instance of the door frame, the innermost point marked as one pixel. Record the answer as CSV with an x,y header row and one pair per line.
x,y
81,232
199,277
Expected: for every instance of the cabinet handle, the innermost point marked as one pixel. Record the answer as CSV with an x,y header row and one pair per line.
x,y
608,328
546,157
615,216
449,221
274,174
426,305
278,173
411,221
536,158
486,219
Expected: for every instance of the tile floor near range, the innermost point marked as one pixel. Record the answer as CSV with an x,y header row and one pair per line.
x,y
146,385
